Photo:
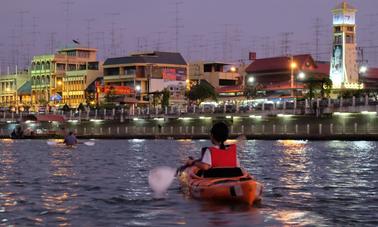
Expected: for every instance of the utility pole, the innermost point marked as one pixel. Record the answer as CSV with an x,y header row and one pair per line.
x,y
178,25
67,4
317,37
285,43
89,21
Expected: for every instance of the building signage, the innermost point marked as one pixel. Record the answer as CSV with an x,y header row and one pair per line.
x,y
117,90
174,74
337,68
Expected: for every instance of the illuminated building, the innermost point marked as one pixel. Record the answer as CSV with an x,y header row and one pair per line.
x,y
134,78
273,76
344,68
15,89
63,77
224,77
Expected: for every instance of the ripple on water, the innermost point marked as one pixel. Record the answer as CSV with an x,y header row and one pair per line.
x,y
305,184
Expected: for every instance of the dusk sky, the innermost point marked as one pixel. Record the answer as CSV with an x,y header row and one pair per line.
x,y
223,30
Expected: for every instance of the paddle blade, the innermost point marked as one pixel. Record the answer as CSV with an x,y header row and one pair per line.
x,y
51,143
160,179
89,143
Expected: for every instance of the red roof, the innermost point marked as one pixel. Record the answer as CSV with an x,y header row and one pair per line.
x,y
323,67
372,73
278,63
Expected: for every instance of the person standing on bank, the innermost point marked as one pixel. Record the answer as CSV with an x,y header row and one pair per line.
x,y
219,155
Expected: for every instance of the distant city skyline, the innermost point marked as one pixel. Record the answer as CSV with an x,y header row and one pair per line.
x,y
221,30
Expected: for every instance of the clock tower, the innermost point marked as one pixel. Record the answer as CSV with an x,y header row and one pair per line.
x,y
344,69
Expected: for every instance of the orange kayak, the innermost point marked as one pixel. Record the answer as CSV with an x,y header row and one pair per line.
x,y
221,184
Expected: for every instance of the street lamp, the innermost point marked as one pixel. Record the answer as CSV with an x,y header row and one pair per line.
x,y
233,69
251,79
293,65
363,69
137,88
301,75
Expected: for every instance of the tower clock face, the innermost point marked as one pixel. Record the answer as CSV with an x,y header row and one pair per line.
x,y
344,18
349,18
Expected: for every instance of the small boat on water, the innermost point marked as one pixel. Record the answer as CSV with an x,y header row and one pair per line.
x,y
221,184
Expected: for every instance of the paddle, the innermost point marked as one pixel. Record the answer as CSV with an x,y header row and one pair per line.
x,y
54,143
160,178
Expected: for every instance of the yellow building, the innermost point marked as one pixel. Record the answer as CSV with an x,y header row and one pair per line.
x,y
62,77
76,82
15,89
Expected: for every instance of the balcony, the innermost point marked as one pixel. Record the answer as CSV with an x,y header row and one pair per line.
x,y
112,78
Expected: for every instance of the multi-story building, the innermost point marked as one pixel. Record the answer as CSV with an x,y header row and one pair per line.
x,y
141,74
15,89
63,77
224,77
284,76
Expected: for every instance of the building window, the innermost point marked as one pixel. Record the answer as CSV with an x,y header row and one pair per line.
x,y
83,54
60,67
349,39
93,65
111,71
223,82
71,67
130,70
82,67
207,68
71,53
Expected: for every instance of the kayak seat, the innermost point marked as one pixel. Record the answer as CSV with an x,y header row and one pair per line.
x,y
220,172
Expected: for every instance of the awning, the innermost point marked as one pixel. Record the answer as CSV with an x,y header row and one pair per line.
x,y
25,89
44,118
56,97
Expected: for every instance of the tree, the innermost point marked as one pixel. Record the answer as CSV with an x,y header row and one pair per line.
x,y
323,86
66,108
250,91
201,92
81,107
165,98
326,87
156,97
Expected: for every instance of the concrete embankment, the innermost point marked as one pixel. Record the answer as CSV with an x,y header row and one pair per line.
x,y
306,127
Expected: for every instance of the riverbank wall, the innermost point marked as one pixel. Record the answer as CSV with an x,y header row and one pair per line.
x,y
339,126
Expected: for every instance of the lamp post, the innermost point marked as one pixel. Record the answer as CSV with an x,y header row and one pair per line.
x,y
293,65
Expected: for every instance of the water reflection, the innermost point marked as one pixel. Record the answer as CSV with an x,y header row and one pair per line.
x,y
306,183
60,202
294,160
8,197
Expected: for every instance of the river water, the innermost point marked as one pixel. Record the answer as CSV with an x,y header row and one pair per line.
x,y
329,183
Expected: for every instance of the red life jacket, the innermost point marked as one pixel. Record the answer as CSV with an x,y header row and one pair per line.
x,y
223,158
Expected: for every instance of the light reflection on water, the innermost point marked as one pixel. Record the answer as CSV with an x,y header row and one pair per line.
x,y
305,184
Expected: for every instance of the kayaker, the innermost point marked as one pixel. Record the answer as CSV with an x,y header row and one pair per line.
x,y
70,139
219,155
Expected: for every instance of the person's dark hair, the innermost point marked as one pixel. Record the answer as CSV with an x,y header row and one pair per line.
x,y
219,132
71,133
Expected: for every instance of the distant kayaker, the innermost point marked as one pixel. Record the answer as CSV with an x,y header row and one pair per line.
x,y
70,139
219,155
